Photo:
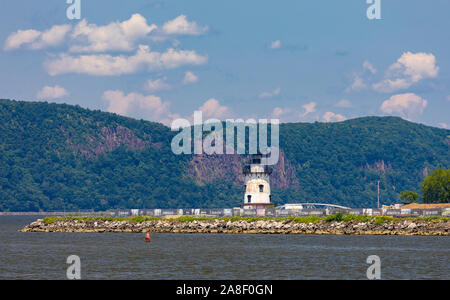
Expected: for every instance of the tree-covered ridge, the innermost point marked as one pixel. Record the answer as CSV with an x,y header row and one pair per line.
x,y
41,168
343,161
56,156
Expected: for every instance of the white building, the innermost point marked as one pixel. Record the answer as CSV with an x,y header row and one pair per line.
x,y
291,206
257,183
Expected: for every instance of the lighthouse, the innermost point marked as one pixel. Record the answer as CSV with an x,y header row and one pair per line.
x,y
257,183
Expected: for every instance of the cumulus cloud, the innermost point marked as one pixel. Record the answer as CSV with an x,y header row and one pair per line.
x,y
116,36
309,108
404,105
278,112
35,39
288,114
149,107
368,66
357,85
21,37
105,64
444,125
189,77
275,44
275,92
52,37
52,92
409,69
181,26
358,82
332,117
157,85
212,109
344,103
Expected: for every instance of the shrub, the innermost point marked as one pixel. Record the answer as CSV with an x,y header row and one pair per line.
x,y
337,217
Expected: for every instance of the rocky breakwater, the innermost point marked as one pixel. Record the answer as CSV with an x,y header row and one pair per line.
x,y
266,226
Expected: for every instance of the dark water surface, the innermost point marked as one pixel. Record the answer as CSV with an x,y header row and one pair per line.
x,y
216,256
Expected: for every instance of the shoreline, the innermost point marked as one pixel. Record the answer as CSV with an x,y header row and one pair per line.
x,y
372,226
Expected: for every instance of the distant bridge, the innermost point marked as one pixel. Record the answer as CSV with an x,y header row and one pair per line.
x,y
311,205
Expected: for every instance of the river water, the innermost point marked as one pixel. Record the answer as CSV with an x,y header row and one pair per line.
x,y
216,256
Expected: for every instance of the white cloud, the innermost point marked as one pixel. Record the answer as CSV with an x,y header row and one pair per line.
x,y
21,37
344,103
105,64
52,37
409,69
212,109
278,112
150,107
52,92
368,66
35,39
404,105
309,108
357,85
275,92
332,117
116,36
275,44
156,85
181,26
444,125
189,77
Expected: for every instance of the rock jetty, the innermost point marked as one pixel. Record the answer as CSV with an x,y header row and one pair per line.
x,y
267,226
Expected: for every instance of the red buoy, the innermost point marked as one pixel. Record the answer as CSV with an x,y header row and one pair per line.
x,y
147,238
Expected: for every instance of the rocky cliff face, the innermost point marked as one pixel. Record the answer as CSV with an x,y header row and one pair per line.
x,y
379,166
228,168
107,140
206,168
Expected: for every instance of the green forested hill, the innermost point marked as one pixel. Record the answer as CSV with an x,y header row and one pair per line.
x,y
55,157
343,161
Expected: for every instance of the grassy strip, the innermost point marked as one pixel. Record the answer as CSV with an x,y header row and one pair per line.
x,y
137,219
338,217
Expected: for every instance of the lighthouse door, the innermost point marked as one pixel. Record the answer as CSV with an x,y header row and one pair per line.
x,y
249,198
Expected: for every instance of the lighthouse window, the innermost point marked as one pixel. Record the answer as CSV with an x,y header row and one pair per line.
x,y
249,198
261,188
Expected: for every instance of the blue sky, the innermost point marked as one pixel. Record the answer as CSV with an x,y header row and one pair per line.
x,y
299,61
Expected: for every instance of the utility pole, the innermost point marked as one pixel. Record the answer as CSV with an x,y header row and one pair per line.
x,y
378,194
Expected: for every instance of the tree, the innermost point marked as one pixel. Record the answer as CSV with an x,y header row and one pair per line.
x,y
409,196
56,156
436,187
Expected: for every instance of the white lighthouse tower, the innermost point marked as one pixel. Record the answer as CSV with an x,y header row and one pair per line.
x,y
257,183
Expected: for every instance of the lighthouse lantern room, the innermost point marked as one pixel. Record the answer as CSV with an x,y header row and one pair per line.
x,y
257,183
